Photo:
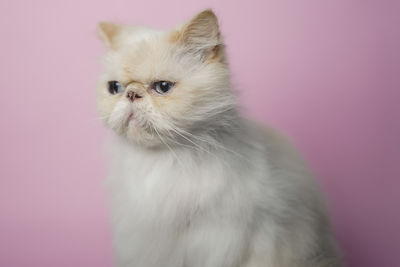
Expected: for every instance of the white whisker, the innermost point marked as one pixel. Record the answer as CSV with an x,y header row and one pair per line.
x,y
172,151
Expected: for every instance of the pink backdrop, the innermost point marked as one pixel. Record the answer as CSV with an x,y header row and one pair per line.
x,y
326,72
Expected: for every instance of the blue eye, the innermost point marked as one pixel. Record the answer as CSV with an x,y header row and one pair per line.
x,y
114,87
162,87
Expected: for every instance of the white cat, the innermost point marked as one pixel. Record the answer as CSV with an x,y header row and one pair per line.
x,y
193,184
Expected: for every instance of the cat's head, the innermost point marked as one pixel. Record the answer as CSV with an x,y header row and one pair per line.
x,y
157,87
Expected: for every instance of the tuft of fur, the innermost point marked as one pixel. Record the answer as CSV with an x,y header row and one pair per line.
x,y
193,184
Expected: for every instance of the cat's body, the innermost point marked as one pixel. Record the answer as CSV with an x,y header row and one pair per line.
x,y
213,191
253,206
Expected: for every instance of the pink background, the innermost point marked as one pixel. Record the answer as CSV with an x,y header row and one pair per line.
x,y
326,72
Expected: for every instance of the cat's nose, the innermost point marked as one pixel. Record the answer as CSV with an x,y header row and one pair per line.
x,y
131,95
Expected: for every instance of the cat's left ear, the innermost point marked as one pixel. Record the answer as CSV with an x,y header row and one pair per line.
x,y
108,32
201,35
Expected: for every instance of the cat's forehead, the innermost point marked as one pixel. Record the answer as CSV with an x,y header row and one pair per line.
x,y
148,55
137,34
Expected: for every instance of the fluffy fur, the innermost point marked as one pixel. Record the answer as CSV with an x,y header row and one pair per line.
x,y
193,184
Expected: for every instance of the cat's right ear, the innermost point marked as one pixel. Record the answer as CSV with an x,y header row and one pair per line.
x,y
108,32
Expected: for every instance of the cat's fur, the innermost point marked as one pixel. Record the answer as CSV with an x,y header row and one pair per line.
x,y
193,184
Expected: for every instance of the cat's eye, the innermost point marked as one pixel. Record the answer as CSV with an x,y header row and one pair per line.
x,y
114,87
162,87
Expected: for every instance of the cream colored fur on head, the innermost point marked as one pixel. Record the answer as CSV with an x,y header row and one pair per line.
x,y
192,57
192,183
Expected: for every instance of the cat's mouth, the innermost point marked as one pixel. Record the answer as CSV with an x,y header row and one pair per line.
x,y
131,119
133,123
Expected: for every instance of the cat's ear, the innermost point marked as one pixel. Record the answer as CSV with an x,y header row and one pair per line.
x,y
201,35
108,31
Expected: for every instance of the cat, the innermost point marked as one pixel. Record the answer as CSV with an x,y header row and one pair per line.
x,y
193,183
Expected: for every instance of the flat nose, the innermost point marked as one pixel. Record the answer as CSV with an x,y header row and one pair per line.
x,y
131,95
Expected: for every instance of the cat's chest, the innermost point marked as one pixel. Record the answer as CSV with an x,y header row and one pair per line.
x,y
165,186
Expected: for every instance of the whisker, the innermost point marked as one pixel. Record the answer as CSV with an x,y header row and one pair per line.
x,y
200,148
216,144
172,151
101,117
171,139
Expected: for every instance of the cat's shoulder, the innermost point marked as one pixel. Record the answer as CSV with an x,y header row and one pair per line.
x,y
268,134
279,147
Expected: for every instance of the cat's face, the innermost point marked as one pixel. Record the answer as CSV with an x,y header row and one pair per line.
x,y
157,86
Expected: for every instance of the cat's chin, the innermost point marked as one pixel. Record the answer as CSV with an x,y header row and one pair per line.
x,y
141,137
